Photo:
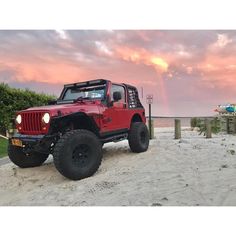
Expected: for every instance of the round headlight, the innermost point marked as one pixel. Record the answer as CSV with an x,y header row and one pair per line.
x,y
46,118
18,119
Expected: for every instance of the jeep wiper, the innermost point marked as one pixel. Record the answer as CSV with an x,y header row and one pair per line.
x,y
80,99
64,101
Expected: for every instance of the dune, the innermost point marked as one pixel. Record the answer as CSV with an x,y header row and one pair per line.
x,y
193,171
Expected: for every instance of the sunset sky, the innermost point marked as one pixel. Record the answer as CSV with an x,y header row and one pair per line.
x,y
188,72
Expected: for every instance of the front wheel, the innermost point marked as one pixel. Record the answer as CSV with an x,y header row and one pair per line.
x,y
19,158
78,154
138,137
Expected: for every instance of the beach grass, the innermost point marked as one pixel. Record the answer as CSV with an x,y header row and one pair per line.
x,y
3,147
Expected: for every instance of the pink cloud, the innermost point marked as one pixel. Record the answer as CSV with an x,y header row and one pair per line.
x,y
178,67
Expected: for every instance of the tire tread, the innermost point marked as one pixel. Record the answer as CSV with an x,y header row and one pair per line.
x,y
59,147
133,139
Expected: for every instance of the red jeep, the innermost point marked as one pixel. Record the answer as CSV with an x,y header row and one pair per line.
x,y
74,128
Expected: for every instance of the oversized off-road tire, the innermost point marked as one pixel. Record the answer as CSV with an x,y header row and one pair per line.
x,y
78,154
19,158
138,137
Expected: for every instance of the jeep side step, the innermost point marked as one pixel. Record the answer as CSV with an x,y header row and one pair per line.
x,y
115,138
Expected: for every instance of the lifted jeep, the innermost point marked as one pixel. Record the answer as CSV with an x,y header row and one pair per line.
x,y
74,128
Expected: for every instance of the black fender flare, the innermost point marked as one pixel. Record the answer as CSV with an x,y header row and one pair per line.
x,y
58,123
136,117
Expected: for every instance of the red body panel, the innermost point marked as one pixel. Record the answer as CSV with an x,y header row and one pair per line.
x,y
116,118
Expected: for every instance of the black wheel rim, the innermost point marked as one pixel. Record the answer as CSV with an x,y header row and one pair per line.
x,y
81,154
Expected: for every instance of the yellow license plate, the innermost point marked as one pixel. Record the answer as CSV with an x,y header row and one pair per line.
x,y
17,142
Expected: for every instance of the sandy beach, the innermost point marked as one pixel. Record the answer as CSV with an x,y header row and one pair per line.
x,y
188,172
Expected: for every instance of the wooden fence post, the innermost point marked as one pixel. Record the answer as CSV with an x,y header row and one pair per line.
x,y
234,125
177,129
208,128
7,134
152,129
227,125
151,132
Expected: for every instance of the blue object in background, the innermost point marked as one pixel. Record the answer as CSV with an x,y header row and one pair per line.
x,y
230,109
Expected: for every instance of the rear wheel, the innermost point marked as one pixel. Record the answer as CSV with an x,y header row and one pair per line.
x,y
138,137
19,158
78,154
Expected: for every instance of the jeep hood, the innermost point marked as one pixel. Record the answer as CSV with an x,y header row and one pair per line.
x,y
65,109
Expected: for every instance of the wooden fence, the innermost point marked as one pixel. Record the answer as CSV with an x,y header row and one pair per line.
x,y
228,124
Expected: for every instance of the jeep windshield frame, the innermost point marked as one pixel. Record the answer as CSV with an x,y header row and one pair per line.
x,y
84,91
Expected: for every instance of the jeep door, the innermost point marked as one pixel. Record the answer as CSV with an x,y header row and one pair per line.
x,y
116,113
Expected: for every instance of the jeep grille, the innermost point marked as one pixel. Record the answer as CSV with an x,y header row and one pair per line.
x,y
32,122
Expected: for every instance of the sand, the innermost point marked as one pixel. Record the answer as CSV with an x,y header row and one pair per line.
x,y
188,172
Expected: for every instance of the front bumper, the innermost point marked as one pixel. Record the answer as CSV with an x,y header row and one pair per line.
x,y
35,143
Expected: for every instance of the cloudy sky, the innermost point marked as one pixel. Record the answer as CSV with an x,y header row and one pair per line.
x,y
188,72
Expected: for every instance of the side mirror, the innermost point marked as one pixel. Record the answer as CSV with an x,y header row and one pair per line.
x,y
116,96
52,102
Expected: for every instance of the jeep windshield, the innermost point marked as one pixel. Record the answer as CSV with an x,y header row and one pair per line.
x,y
84,93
